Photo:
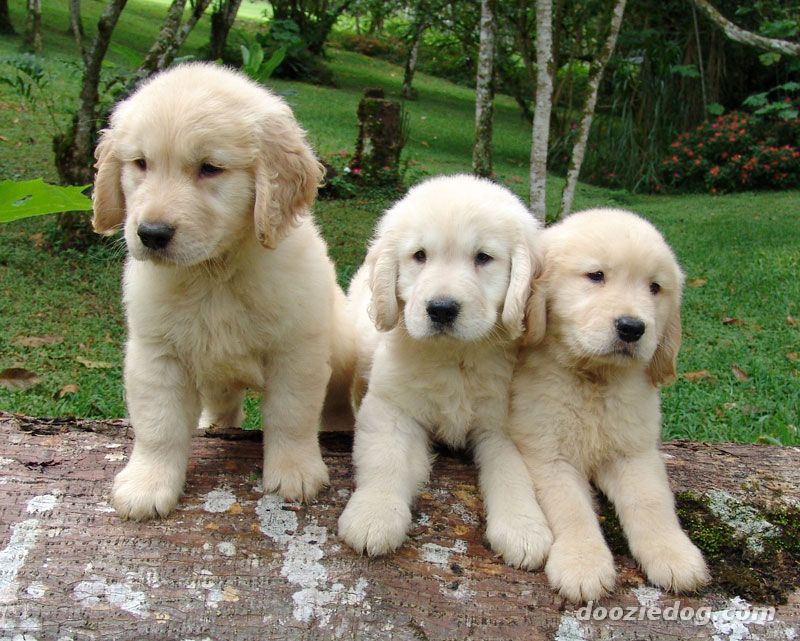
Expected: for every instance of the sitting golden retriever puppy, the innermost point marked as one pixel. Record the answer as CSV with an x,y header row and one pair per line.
x,y
585,404
228,284
439,305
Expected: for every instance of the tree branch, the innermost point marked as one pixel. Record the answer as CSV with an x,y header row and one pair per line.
x,y
737,34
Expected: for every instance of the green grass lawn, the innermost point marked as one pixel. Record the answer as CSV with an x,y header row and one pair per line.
x,y
740,252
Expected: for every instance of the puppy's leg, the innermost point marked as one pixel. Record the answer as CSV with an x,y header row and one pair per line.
x,y
296,382
392,460
639,488
222,407
515,525
580,565
164,406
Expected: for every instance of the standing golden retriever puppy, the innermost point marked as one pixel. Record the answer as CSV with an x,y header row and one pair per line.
x,y
439,304
585,402
227,285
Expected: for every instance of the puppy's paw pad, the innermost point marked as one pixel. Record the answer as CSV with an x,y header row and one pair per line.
x,y
295,479
522,542
374,524
140,494
581,570
676,565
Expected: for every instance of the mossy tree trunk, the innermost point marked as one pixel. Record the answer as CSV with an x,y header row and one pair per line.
x,y
234,563
484,93
410,67
596,70
171,37
543,99
74,150
33,26
77,26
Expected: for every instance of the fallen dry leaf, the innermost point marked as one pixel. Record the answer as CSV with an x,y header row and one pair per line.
x,y
37,341
791,320
739,373
18,378
71,388
793,356
93,364
731,321
697,282
697,376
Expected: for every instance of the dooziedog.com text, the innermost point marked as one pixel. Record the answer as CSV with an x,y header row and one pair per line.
x,y
673,612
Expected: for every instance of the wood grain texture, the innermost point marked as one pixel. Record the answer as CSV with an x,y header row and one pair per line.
x,y
232,564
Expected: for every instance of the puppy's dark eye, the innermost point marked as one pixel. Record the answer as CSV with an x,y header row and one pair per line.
x,y
482,258
655,288
596,277
420,256
140,163
207,170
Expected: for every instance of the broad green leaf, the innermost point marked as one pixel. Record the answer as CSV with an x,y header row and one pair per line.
x,y
269,66
715,109
756,100
769,58
37,198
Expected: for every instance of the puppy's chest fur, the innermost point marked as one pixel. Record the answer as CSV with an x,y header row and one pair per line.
x,y
217,328
450,393
585,418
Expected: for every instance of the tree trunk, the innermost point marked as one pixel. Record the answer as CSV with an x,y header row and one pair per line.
x,y
74,150
171,38
541,117
737,34
33,26
77,26
221,23
411,62
593,84
484,94
6,26
234,563
167,35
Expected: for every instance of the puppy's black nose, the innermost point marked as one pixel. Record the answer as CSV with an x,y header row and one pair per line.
x,y
155,235
443,311
629,329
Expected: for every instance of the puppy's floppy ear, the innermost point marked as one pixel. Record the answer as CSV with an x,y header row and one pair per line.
x,y
663,366
108,201
536,313
287,175
384,308
519,290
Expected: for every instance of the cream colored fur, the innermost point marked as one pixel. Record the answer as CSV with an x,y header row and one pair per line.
x,y
585,404
450,384
243,296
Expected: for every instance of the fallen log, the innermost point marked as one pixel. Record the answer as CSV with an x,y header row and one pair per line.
x,y
234,564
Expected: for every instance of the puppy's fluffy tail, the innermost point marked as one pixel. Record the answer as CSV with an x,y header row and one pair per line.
x,y
338,412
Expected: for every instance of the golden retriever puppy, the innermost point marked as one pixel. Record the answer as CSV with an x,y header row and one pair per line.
x,y
228,284
585,401
439,305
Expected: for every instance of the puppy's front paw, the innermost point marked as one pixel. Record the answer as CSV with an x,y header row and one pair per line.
x,y
143,492
581,570
674,562
374,522
522,541
296,475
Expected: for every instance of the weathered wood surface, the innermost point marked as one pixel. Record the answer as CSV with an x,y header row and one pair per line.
x,y
234,564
